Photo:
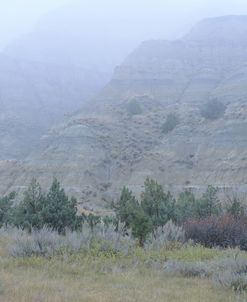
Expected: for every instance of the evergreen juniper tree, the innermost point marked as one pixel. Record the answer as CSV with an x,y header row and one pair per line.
x,y
6,204
157,205
125,206
59,211
130,212
141,225
28,213
186,206
209,203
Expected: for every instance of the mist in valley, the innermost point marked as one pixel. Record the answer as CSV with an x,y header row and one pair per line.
x,y
123,150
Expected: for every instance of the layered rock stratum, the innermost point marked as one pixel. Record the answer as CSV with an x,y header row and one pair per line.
x,y
104,146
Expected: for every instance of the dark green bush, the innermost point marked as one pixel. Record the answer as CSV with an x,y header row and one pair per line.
x,y
156,207
28,214
213,110
6,204
157,204
209,204
133,107
54,209
235,207
130,212
186,206
170,124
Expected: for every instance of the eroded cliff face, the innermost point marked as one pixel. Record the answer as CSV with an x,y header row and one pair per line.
x,y
105,146
34,96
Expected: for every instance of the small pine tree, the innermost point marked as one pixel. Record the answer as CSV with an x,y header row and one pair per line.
x,y
186,206
157,205
6,204
125,206
59,211
28,213
209,203
141,225
235,208
130,212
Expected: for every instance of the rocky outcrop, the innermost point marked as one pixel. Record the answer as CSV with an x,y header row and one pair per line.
x,y
106,146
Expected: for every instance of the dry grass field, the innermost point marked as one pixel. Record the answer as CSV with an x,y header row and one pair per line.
x,y
38,280
106,278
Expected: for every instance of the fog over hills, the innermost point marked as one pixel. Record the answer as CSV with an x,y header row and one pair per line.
x,y
231,29
80,34
40,85
117,139
34,96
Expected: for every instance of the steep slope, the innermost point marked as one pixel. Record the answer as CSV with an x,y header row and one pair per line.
x,y
35,96
43,76
106,146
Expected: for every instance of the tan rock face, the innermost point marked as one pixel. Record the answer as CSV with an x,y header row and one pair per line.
x,y
105,146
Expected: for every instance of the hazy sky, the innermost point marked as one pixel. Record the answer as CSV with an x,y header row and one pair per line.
x,y
18,17
143,19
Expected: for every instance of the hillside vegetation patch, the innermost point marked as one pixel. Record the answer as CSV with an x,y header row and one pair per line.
x,y
170,123
213,110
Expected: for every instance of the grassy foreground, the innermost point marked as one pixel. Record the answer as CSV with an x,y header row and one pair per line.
x,y
107,278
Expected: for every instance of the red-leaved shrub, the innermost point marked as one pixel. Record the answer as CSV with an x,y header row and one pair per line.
x,y
224,231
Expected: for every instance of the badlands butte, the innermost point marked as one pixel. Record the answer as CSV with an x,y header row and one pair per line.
x,y
119,137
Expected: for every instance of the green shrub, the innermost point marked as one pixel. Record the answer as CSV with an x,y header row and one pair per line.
x,y
157,204
186,206
133,107
59,211
171,123
156,207
235,207
54,209
209,204
154,210
130,212
213,110
6,212
28,215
